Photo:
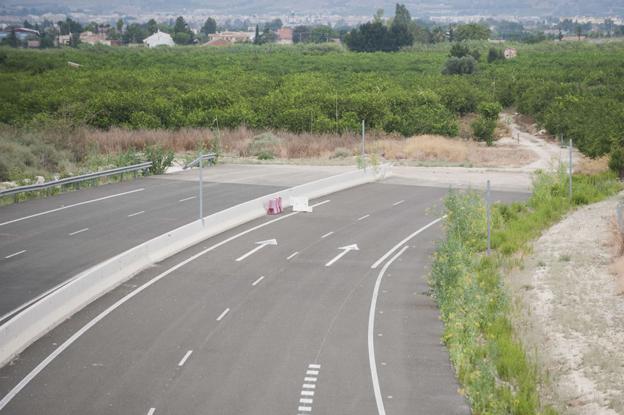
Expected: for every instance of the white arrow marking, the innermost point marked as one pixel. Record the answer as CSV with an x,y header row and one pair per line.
x,y
261,245
345,249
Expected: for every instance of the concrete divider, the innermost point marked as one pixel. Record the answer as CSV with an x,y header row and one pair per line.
x,y
41,317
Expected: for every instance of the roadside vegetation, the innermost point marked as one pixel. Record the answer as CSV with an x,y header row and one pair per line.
x,y
497,375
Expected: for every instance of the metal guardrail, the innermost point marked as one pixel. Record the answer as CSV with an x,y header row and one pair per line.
x,y
211,158
76,179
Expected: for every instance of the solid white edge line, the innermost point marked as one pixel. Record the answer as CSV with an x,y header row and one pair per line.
x,y
45,362
291,256
371,338
70,206
256,282
397,246
151,411
15,254
398,203
364,217
136,214
185,358
188,198
77,232
327,234
320,203
227,310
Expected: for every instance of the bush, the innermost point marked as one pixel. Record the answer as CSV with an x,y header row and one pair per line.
x,y
483,129
264,144
160,157
265,155
489,110
341,153
495,55
460,66
616,161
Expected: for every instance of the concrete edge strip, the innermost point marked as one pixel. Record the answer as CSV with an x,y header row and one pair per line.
x,y
39,318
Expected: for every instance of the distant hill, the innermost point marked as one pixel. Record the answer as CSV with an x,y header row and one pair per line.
x,y
347,7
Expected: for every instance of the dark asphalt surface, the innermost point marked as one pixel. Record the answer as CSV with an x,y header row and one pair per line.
x,y
255,358
53,255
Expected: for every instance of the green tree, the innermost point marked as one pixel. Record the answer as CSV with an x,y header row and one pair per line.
x,y
182,38
13,41
471,31
152,26
74,39
209,27
180,26
401,15
257,39
119,25
616,161
460,66
275,24
495,55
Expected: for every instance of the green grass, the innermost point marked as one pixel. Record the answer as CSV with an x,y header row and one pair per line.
x,y
496,375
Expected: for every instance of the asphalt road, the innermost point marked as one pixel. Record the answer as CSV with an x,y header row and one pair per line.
x,y
47,241
296,327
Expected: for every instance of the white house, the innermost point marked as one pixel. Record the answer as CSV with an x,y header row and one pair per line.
x,y
158,39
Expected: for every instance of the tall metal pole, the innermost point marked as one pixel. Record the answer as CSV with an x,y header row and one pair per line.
x,y
488,215
363,135
201,189
570,172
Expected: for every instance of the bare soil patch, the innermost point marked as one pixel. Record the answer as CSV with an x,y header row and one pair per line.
x,y
569,312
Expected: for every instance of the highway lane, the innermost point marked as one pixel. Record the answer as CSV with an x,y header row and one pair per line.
x,y
224,336
45,242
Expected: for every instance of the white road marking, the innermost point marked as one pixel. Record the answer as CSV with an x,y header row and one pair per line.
x,y
312,372
327,234
261,244
186,356
188,198
398,203
307,393
256,282
291,256
136,214
314,366
364,217
320,203
227,310
309,379
397,246
306,400
305,409
15,254
45,362
309,386
151,411
77,232
371,339
70,206
345,250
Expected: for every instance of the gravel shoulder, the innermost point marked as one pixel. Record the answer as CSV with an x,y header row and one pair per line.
x,y
569,312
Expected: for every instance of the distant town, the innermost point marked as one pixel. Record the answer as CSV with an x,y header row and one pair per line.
x,y
62,27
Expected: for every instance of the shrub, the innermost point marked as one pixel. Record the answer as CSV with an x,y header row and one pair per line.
x,y
160,157
264,144
341,153
495,55
460,66
616,161
265,155
483,129
489,110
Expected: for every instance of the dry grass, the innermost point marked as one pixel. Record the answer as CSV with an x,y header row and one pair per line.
x,y
593,166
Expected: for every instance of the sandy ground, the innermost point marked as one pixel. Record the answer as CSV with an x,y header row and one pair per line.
x,y
569,312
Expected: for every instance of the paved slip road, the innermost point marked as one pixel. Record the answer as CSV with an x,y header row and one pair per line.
x,y
233,327
45,242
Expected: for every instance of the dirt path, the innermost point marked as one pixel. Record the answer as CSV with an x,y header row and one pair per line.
x,y
569,311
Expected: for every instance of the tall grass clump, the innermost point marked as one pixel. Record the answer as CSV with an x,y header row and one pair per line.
x,y
496,374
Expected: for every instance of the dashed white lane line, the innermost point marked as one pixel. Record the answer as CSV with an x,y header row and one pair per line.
x,y
307,389
306,400
312,372
185,358
15,254
398,203
291,256
136,214
364,217
227,310
309,386
371,339
309,379
305,409
327,234
397,246
70,206
307,393
71,340
151,411
77,232
256,282
188,198
314,366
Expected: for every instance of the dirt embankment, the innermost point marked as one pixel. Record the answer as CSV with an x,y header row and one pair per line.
x,y
569,311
